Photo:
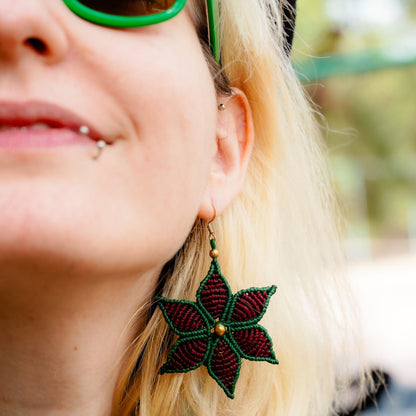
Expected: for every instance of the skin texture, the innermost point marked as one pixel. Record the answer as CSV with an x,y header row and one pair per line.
x,y
82,241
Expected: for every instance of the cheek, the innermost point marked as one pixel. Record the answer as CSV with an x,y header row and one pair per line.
x,y
166,158
165,171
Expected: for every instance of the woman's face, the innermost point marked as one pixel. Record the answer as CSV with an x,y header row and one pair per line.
x,y
147,92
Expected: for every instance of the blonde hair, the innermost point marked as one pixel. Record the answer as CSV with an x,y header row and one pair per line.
x,y
280,230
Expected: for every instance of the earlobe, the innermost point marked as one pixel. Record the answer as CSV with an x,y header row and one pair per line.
x,y
235,139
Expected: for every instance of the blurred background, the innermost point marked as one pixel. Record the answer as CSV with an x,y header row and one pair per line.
x,y
357,60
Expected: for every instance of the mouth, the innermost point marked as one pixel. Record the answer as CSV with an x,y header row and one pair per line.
x,y
35,124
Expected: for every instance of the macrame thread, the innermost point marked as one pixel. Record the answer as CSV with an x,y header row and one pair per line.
x,y
219,329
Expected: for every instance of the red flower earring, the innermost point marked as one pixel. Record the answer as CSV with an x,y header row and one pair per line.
x,y
219,329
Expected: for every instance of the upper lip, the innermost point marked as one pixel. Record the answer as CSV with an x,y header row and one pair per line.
x,y
20,114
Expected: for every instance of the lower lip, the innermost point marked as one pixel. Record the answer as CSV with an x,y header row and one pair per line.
x,y
38,139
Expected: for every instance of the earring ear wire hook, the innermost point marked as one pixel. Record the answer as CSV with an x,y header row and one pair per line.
x,y
210,230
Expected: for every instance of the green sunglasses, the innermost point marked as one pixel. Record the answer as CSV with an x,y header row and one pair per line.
x,y
135,13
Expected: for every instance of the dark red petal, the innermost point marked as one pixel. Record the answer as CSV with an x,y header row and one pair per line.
x,y
255,344
224,366
214,293
186,355
250,304
182,316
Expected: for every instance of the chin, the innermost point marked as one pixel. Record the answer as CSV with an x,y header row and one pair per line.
x,y
62,227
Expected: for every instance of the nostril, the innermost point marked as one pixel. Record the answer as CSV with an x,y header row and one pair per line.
x,y
38,45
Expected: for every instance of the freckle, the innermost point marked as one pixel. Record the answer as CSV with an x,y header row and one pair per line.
x,y
75,348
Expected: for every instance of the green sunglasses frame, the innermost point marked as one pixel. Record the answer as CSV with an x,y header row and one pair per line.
x,y
105,19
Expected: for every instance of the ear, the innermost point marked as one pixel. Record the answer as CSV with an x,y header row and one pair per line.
x,y
235,139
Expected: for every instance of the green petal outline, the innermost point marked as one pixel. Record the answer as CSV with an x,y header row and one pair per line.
x,y
271,290
272,360
214,268
205,331
176,345
211,338
229,393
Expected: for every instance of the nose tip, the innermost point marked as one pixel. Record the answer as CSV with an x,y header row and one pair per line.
x,y
28,29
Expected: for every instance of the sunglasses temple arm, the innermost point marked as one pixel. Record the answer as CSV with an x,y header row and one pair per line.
x,y
213,17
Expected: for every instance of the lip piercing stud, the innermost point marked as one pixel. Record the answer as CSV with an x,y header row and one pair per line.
x,y
100,146
221,107
84,130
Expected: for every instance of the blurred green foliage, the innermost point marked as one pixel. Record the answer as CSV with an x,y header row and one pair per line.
x,y
370,123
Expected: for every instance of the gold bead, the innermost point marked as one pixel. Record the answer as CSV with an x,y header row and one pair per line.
x,y
220,329
214,253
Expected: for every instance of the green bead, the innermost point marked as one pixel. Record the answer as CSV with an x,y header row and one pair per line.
x,y
213,245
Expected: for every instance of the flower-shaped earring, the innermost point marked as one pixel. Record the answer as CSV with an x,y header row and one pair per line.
x,y
219,329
